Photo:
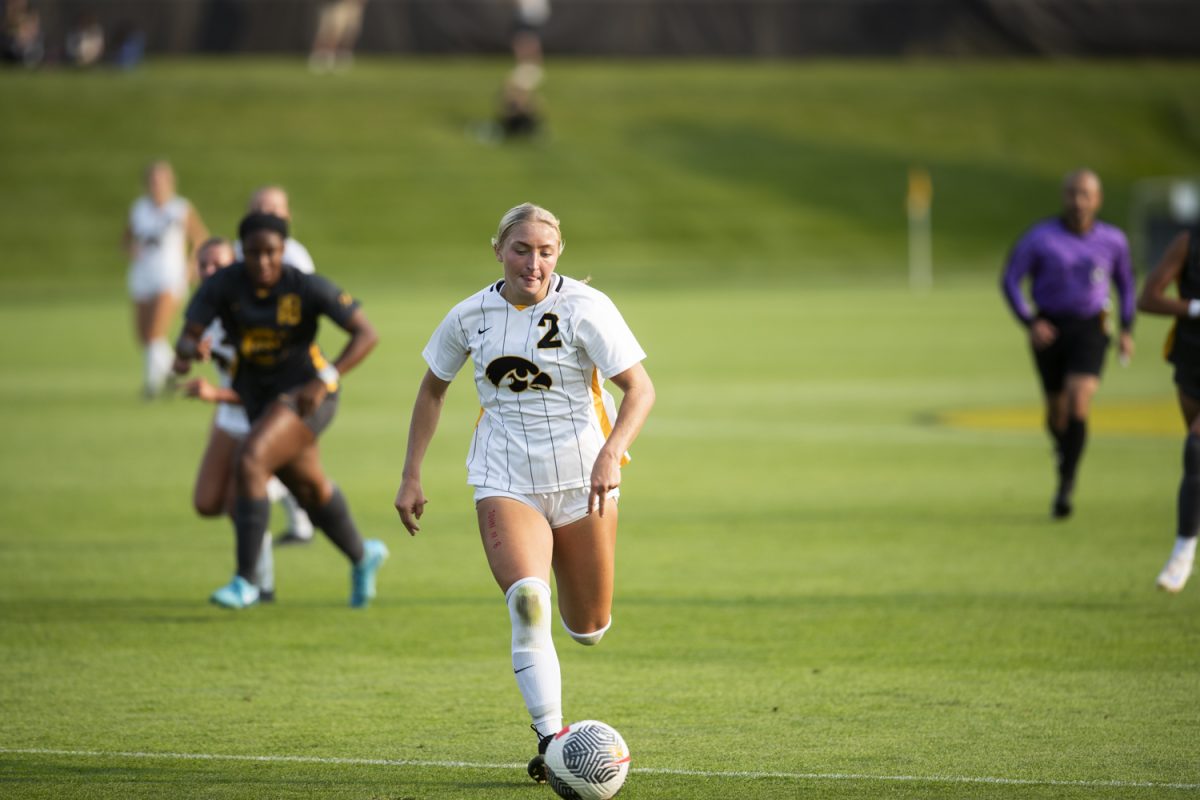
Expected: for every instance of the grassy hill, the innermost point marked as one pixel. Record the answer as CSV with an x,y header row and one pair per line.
x,y
660,170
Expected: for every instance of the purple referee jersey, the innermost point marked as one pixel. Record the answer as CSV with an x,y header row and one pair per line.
x,y
1070,273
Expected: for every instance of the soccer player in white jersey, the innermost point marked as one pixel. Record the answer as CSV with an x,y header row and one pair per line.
x,y
160,237
546,456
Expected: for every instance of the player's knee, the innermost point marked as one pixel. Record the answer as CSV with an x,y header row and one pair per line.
x,y
250,469
592,637
208,504
529,610
529,601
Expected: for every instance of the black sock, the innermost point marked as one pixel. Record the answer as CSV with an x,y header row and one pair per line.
x,y
251,515
1189,488
1057,435
1074,439
335,521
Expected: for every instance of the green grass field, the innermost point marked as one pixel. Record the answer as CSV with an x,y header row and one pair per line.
x,y
836,573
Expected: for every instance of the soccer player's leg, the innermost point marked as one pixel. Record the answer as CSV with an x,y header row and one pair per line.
x,y
1052,370
277,438
330,512
519,546
159,354
1086,344
213,493
299,528
1080,389
1178,568
584,558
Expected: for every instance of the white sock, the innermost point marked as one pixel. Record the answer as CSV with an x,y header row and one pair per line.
x,y
1185,546
276,491
264,568
535,662
160,357
297,519
589,639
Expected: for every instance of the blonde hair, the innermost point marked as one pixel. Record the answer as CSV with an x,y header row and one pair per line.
x,y
526,212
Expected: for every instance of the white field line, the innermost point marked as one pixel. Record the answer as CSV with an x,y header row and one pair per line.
x,y
687,773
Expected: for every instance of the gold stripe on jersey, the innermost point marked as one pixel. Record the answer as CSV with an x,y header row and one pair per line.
x,y
319,363
601,411
478,417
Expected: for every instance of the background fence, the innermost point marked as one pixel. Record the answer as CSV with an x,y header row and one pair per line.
x,y
762,28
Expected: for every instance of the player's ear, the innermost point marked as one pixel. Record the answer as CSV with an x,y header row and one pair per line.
x,y
496,250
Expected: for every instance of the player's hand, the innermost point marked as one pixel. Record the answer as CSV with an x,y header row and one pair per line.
x,y
1125,347
1042,333
606,476
311,395
200,389
204,348
410,502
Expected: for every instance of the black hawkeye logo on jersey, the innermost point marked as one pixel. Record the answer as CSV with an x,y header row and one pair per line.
x,y
520,373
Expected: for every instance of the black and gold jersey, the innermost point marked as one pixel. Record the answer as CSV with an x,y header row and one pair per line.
x,y
273,331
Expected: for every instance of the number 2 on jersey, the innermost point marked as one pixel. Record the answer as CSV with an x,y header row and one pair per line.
x,y
551,338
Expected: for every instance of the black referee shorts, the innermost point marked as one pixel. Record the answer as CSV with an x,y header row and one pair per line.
x,y
1079,349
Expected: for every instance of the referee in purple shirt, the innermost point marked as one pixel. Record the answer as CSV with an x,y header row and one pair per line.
x,y
1071,262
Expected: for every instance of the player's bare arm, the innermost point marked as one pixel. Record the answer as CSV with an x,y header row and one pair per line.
x,y
638,399
363,338
201,389
1154,298
427,410
188,347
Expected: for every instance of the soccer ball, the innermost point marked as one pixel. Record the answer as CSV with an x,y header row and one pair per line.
x,y
587,761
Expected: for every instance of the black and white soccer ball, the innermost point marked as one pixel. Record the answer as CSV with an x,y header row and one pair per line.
x,y
587,761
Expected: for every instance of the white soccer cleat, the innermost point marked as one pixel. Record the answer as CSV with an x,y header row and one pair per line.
x,y
1175,574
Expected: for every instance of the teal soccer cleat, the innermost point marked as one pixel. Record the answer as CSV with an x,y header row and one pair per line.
x,y
239,593
362,574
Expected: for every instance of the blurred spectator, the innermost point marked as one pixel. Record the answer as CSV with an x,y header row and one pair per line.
x,y
338,26
21,40
85,41
519,113
129,45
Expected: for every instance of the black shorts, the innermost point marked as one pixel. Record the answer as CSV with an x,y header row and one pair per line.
x,y
317,420
1079,349
1187,378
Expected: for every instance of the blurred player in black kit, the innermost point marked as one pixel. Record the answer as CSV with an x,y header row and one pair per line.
x,y
1181,266
270,311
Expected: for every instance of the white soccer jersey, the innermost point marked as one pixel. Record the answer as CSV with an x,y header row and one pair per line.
x,y
540,373
294,253
160,242
230,417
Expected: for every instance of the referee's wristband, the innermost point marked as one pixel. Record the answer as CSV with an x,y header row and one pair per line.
x,y
1193,310
330,376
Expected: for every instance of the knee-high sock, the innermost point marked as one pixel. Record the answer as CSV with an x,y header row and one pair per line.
x,y
1189,490
251,515
158,356
534,660
264,567
335,521
1074,439
1056,436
